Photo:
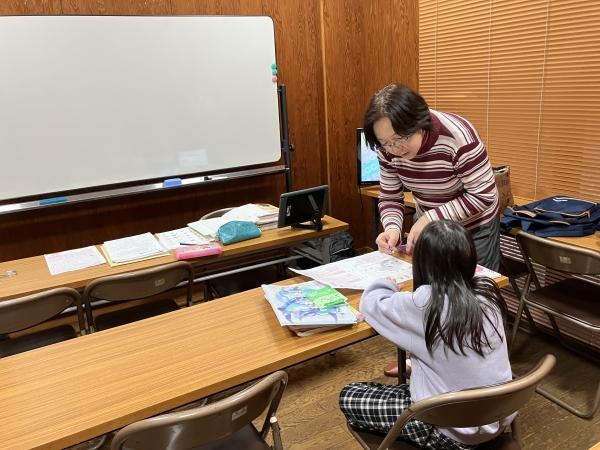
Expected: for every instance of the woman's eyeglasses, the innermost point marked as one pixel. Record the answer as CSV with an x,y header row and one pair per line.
x,y
394,143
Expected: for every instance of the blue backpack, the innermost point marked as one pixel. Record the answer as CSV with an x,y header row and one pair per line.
x,y
554,216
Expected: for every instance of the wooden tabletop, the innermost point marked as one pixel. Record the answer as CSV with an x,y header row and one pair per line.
x,y
72,391
591,242
33,275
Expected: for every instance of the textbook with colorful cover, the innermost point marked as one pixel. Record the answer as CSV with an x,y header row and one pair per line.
x,y
296,310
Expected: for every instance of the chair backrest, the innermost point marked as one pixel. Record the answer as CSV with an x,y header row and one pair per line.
x,y
137,285
217,213
26,312
203,424
473,407
140,284
558,255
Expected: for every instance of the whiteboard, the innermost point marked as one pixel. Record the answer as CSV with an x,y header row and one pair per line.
x,y
90,101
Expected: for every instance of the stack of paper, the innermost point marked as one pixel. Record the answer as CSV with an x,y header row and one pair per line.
x,y
262,214
296,310
208,227
133,248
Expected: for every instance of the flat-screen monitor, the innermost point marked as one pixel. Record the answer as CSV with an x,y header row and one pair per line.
x,y
306,205
367,163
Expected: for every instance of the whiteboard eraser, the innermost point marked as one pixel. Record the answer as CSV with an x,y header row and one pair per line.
x,y
170,182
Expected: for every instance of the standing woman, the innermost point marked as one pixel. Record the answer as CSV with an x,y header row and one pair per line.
x,y
442,160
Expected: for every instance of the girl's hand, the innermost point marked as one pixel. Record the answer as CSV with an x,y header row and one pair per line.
x,y
388,241
415,232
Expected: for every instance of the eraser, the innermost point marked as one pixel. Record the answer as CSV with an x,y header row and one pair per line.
x,y
402,248
170,182
53,200
274,79
197,251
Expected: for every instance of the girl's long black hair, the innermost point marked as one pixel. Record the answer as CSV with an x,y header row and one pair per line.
x,y
445,258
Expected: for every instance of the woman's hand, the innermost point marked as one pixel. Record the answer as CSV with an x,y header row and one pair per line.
x,y
415,232
388,241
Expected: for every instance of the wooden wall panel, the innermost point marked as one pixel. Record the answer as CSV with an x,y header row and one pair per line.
x,y
367,45
116,7
10,7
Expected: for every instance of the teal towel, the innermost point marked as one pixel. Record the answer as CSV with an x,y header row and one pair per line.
x,y
236,231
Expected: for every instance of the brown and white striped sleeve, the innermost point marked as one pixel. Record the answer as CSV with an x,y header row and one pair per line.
x,y
391,196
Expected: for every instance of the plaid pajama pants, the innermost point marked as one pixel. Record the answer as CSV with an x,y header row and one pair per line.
x,y
375,407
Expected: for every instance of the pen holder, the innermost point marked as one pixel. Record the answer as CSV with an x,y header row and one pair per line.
x,y
236,231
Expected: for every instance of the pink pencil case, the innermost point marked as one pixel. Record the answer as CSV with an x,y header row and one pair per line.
x,y
197,251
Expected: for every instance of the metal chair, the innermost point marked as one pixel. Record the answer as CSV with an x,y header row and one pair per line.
x,y
573,299
226,424
142,284
216,213
26,312
514,270
468,408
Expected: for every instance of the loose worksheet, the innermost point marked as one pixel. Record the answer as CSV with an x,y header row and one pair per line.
x,y
360,271
76,259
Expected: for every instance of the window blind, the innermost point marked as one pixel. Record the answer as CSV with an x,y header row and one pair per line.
x,y
527,74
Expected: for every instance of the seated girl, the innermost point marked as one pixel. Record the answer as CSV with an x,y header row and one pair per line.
x,y
453,327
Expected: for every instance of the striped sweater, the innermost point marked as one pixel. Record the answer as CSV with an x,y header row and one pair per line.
x,y
450,177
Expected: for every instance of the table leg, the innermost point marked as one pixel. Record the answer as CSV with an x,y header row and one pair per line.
x,y
375,202
401,366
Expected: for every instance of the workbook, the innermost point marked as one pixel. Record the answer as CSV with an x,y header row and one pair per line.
x,y
294,308
133,248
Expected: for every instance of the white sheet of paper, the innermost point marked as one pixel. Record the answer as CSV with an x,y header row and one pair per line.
x,y
70,260
481,271
180,237
133,248
360,271
252,212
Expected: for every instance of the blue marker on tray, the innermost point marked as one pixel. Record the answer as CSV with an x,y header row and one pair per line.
x,y
53,201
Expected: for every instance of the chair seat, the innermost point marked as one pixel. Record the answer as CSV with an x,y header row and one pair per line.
x,y
246,438
573,298
138,312
12,346
513,268
244,281
373,439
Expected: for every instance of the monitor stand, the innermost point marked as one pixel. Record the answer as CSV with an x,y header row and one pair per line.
x,y
315,222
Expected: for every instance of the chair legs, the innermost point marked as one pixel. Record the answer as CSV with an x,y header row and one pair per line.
x,y
515,428
578,412
515,287
515,328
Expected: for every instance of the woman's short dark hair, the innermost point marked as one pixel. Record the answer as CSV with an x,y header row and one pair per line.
x,y
406,109
445,258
